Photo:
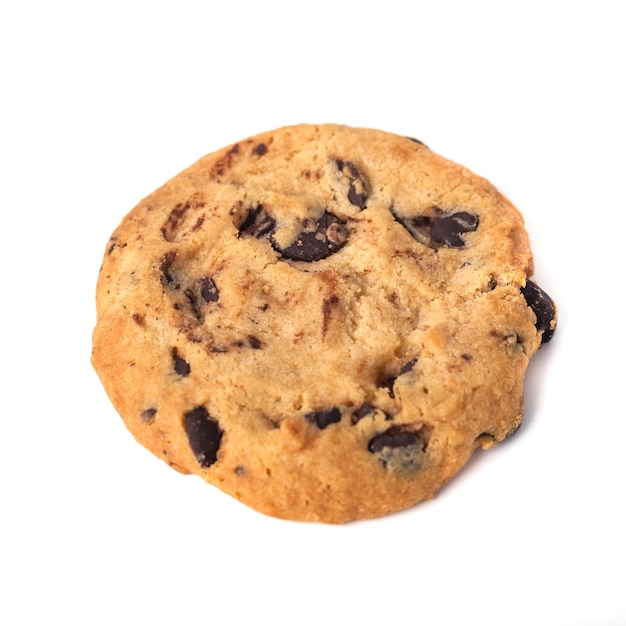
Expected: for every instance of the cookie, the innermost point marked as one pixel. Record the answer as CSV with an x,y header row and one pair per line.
x,y
324,322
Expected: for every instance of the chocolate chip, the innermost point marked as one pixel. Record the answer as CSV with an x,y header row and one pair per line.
x,y
148,415
367,410
363,411
317,240
393,438
407,367
448,229
167,275
390,382
443,229
193,302
260,149
201,292
181,367
258,223
254,343
176,216
176,222
208,290
204,435
400,449
357,184
543,307
324,418
198,224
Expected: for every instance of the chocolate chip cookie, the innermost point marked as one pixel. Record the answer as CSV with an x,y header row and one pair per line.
x,y
324,322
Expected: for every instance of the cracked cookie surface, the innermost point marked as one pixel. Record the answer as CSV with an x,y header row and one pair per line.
x,y
324,322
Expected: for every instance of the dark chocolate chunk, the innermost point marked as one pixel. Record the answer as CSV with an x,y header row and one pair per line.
x,y
167,275
357,184
418,227
204,434
181,367
254,343
363,411
176,216
324,418
260,149
448,230
393,438
193,301
367,410
202,292
543,307
208,290
407,367
444,229
177,220
258,223
400,449
317,240
389,382
148,415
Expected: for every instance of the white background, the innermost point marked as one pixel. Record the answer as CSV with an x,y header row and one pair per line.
x,y
101,103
